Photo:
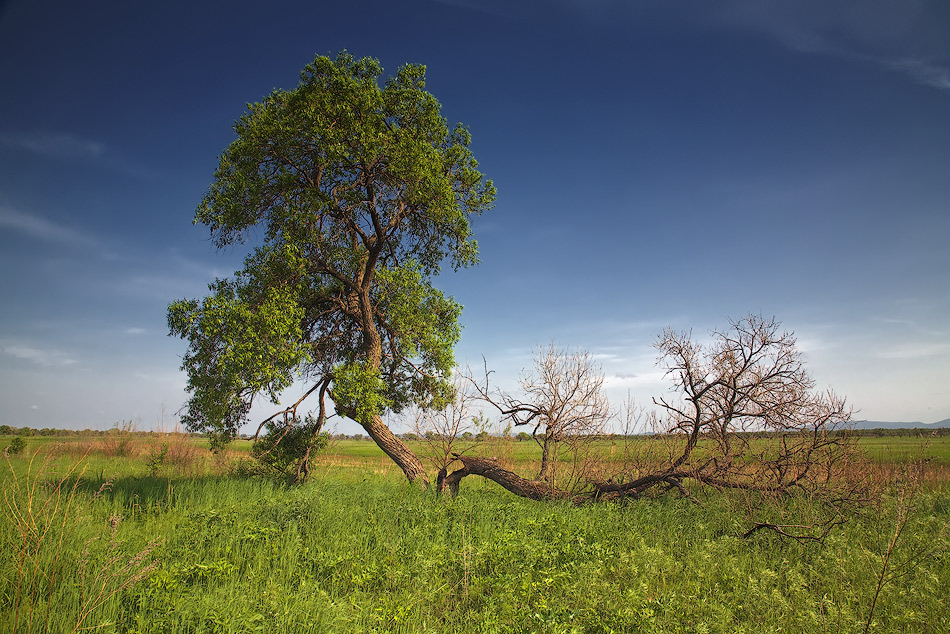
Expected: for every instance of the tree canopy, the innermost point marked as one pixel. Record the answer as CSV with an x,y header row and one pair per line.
x,y
354,194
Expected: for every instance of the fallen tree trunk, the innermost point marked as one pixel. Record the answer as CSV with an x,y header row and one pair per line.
x,y
490,469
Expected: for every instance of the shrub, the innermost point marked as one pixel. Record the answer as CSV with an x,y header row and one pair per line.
x,y
283,451
16,446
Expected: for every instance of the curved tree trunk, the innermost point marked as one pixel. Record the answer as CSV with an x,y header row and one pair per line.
x,y
397,450
489,468
393,447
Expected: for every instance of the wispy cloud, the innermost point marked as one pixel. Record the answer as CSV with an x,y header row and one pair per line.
x,y
914,350
45,358
43,229
926,73
908,37
134,331
69,147
54,145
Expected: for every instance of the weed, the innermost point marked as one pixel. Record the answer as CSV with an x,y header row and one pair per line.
x,y
907,485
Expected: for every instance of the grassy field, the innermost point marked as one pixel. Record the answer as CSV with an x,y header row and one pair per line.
x,y
117,534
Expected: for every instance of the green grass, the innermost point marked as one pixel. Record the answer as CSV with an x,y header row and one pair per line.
x,y
904,449
357,550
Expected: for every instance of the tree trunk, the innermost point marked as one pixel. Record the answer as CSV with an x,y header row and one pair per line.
x,y
489,468
546,457
375,427
397,450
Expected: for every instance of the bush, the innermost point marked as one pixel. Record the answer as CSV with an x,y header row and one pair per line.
x,y
16,446
156,459
279,452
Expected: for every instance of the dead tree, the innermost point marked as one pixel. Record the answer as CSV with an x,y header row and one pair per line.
x,y
746,417
563,403
442,432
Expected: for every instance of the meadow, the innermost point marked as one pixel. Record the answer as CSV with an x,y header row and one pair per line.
x,y
152,533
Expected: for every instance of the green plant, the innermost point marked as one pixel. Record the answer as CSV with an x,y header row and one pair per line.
x,y
284,450
899,558
16,446
114,572
43,512
156,459
41,517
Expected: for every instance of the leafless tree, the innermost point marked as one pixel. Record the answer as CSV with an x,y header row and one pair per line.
x,y
562,401
750,379
442,432
746,417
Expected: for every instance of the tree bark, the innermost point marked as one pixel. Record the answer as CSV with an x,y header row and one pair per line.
x,y
489,468
393,447
397,450
546,456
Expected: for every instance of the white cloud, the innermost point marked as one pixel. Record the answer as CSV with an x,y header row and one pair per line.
x,y
134,331
907,37
43,229
924,72
45,358
651,379
53,145
914,350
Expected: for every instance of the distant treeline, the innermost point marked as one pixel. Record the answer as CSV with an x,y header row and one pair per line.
x,y
8,430
887,432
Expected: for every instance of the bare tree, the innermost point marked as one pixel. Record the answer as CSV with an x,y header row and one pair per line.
x,y
751,379
562,401
448,431
746,418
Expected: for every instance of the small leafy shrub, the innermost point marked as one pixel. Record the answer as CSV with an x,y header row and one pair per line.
x,y
156,459
279,452
16,446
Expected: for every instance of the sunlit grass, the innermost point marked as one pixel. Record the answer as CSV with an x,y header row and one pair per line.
x,y
358,550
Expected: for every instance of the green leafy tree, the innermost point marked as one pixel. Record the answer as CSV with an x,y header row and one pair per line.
x,y
355,194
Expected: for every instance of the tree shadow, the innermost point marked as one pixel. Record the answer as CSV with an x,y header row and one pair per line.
x,y
142,491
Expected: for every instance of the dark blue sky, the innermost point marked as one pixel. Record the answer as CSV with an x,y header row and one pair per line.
x,y
658,164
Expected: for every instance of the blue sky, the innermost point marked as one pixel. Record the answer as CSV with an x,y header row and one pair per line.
x,y
657,164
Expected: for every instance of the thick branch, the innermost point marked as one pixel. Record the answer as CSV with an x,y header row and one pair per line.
x,y
490,469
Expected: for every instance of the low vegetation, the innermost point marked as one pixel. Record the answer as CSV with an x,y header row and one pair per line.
x,y
110,541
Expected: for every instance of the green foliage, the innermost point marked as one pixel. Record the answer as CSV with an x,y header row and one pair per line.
x,y
359,193
281,448
245,339
359,391
156,459
16,446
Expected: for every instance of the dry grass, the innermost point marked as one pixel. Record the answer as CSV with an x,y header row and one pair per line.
x,y
42,507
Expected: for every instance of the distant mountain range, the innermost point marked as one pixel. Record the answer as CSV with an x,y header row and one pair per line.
x,y
877,424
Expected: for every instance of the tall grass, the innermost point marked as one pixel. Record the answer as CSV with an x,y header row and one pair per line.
x,y
356,550
49,588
